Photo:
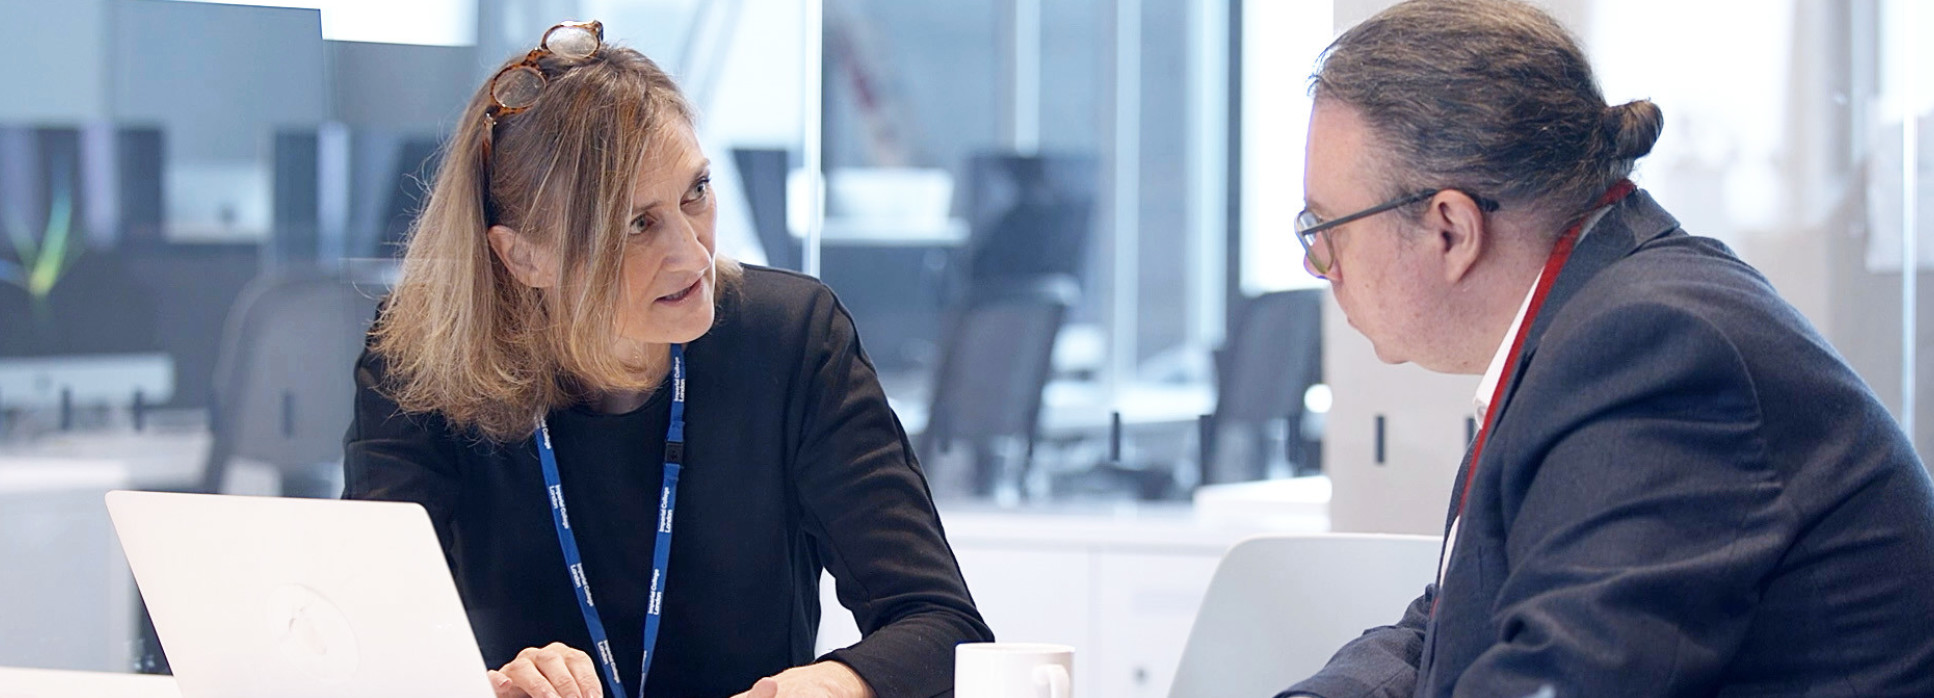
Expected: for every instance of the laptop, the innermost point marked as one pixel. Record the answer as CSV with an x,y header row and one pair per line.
x,y
264,596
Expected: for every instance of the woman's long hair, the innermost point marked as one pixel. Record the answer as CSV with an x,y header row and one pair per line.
x,y
464,338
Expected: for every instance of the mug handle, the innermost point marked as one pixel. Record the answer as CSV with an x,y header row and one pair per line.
x,y
1055,677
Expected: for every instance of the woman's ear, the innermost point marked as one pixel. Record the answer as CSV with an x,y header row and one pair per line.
x,y
531,263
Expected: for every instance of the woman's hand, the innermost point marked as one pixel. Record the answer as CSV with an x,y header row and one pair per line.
x,y
555,671
822,680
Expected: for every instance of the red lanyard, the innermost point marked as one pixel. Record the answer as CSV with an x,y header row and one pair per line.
x,y
1559,254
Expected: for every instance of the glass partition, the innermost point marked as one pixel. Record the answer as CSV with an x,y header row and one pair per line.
x,y
1062,228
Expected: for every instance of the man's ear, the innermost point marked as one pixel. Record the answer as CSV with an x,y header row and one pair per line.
x,y
531,263
1456,223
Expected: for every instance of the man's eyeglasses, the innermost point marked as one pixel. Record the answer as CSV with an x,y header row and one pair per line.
x,y
515,88
1322,256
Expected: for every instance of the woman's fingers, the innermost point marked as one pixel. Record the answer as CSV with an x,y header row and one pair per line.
x,y
767,687
524,676
556,670
504,687
584,671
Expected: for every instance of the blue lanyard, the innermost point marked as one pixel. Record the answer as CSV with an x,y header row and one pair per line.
x,y
660,555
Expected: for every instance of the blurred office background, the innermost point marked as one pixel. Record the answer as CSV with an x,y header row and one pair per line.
x,y
1063,227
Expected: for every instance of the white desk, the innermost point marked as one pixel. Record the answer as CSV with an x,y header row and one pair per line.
x,y
1070,407
148,460
104,379
67,600
1076,408
66,596
888,232
48,683
1120,584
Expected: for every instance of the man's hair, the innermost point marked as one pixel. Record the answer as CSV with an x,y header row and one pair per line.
x,y
1492,97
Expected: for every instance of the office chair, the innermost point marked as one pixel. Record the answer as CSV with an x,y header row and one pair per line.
x,y
417,160
1273,355
763,173
1029,217
282,394
987,391
1280,606
18,336
283,391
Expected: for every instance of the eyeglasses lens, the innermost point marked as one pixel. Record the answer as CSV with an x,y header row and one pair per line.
x,y
518,87
575,43
1315,246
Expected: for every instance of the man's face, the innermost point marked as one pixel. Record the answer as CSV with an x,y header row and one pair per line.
x,y
1384,273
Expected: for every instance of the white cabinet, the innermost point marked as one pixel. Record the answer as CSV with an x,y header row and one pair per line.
x,y
1032,595
1143,610
1393,437
1123,589
69,601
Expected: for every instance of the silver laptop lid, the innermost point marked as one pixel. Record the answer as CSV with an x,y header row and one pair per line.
x,y
264,596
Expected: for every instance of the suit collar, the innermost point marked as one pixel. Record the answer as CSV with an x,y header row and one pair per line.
x,y
1631,223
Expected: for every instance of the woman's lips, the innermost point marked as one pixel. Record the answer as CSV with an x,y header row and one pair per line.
x,y
682,294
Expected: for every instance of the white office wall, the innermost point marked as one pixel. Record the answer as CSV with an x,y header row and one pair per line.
x,y
63,78
1423,414
216,107
165,70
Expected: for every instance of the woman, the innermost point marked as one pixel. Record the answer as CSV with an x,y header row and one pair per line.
x,y
562,321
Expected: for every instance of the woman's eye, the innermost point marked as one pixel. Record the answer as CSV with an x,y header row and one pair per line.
x,y
640,224
699,189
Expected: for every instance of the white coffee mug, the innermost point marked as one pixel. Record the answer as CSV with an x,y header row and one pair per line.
x,y
1013,670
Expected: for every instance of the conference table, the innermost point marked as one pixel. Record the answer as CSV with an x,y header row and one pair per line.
x,y
1119,580
54,683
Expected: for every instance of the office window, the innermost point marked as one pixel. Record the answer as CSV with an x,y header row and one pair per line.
x,y
1280,42
430,22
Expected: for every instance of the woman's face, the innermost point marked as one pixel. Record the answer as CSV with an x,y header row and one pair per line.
x,y
668,275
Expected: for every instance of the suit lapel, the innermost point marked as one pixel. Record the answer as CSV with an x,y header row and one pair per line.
x,y
1457,493
1631,223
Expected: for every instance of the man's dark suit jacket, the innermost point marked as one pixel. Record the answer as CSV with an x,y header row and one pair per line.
x,y
1687,493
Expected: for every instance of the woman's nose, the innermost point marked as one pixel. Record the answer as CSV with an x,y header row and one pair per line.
x,y
689,249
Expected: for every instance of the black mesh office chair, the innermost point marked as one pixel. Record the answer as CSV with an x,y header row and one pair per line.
x,y
1030,217
1273,355
987,392
17,322
417,160
762,171
283,391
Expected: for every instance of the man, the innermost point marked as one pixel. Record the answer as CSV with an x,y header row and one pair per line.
x,y
1679,488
